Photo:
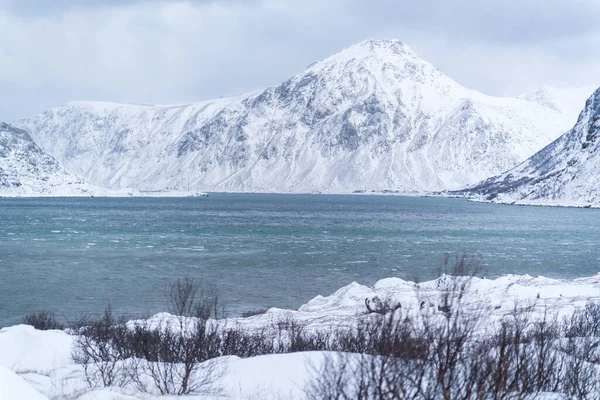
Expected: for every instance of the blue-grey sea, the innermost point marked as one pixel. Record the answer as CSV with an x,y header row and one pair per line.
x,y
74,255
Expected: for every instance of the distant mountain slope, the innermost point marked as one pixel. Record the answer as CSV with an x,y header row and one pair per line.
x,y
565,172
373,117
26,170
564,100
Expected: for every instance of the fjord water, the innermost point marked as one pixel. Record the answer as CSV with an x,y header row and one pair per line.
x,y
74,255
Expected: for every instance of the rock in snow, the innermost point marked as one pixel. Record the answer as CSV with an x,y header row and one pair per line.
x,y
565,172
375,116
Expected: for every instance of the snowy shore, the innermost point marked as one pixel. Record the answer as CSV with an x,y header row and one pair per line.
x,y
91,191
38,364
533,203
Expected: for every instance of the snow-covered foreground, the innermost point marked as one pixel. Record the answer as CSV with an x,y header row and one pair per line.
x,y
38,365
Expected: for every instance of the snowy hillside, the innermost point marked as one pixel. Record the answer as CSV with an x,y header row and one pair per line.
x,y
565,172
26,170
373,117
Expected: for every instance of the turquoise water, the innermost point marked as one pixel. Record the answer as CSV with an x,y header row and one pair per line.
x,y
75,255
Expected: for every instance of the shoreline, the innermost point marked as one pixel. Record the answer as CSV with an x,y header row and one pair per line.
x,y
182,195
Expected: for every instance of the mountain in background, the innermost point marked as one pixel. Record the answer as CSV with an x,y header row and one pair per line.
x,y
25,170
564,172
564,100
373,117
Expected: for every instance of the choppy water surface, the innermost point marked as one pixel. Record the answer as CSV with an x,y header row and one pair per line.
x,y
75,255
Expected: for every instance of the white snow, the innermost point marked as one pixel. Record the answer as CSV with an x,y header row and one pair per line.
x,y
25,170
564,99
375,116
13,387
564,173
34,361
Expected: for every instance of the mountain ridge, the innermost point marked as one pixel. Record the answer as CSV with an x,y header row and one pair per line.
x,y
372,117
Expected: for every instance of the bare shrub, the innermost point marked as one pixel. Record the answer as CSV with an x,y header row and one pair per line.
x,y
582,348
239,342
383,358
188,298
335,379
178,361
102,349
580,379
463,264
549,362
586,322
167,357
43,321
182,296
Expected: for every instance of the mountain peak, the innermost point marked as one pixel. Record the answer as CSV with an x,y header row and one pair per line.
x,y
561,99
387,62
544,96
387,44
375,49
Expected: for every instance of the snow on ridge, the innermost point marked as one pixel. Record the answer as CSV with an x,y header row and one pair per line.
x,y
380,50
100,106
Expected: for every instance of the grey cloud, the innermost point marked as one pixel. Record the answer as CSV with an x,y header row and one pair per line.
x,y
38,7
183,51
504,21
49,7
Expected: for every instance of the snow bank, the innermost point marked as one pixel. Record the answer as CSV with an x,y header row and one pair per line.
x,y
13,387
23,348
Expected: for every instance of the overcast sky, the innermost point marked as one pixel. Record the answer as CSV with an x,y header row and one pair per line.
x,y
53,51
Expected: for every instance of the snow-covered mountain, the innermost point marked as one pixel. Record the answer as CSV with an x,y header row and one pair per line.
x,y
562,99
564,172
375,116
26,170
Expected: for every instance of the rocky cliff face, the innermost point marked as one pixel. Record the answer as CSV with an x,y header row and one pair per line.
x,y
373,117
